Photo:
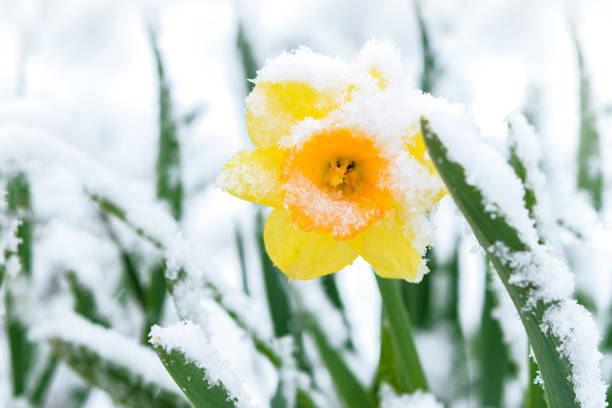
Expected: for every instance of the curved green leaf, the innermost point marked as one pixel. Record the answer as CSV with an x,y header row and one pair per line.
x,y
491,228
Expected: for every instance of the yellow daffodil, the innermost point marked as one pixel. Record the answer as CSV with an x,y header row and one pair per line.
x,y
340,158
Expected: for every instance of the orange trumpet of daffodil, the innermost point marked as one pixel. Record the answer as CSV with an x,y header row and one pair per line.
x,y
340,158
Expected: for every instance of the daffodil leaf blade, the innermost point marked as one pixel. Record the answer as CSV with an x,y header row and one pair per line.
x,y
124,386
490,228
349,389
193,381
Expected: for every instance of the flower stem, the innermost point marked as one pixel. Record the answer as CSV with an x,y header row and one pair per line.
x,y
405,353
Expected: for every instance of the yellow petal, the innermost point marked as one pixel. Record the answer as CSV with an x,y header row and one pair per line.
x,y
253,176
388,248
274,107
416,147
303,255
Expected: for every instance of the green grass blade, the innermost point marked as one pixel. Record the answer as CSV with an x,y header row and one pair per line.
x,y
387,372
429,69
249,65
85,301
348,387
38,392
100,356
330,289
489,229
19,204
494,358
179,279
191,375
404,350
534,397
590,177
21,350
169,183
239,239
155,296
277,293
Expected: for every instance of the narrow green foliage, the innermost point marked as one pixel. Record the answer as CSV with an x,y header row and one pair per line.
x,y
330,288
21,350
349,389
590,177
303,400
85,301
429,73
125,387
193,381
404,350
277,292
534,397
110,208
529,198
261,345
249,65
490,228
38,392
169,184
128,261
155,296
494,356
239,239
417,298
387,372
19,204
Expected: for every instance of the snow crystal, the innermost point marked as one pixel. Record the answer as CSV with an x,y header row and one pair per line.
x,y
546,276
485,169
188,339
109,344
319,71
418,399
574,326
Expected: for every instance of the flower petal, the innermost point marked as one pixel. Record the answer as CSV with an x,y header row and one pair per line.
x,y
274,107
253,176
388,248
303,255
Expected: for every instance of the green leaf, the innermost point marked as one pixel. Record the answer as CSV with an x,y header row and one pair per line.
x,y
239,239
349,389
249,65
534,397
493,353
275,283
429,70
404,351
491,228
38,391
123,385
387,372
330,288
192,381
590,177
169,184
85,301
21,350
155,299
19,204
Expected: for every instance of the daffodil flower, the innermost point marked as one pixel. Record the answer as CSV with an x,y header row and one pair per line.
x,y
340,158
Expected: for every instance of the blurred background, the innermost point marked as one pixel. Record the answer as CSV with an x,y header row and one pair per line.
x,y
94,73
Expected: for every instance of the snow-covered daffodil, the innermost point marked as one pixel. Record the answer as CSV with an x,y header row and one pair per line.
x,y
340,158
